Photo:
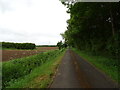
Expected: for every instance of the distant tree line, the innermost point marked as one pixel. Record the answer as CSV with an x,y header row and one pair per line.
x,y
94,27
46,46
18,45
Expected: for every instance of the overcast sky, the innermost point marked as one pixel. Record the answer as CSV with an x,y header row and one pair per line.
x,y
35,21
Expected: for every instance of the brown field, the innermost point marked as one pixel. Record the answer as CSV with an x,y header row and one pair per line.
x,y
13,54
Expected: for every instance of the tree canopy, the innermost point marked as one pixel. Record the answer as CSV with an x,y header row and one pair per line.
x,y
94,27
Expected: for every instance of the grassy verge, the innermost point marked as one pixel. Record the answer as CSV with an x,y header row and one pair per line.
x,y
107,65
45,74
31,72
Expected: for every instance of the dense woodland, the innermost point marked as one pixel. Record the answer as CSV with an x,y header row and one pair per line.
x,y
18,45
94,27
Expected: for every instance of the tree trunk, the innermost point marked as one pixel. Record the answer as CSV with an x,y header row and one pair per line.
x,y
112,23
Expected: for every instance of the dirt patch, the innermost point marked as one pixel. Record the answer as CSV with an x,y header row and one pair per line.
x,y
13,54
46,48
38,79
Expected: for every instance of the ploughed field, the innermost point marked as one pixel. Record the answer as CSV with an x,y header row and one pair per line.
x,y
13,54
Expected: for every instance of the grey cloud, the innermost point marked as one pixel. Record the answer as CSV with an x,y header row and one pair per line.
x,y
7,5
10,32
29,3
28,34
45,34
12,36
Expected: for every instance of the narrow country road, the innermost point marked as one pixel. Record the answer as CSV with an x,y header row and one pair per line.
x,y
74,72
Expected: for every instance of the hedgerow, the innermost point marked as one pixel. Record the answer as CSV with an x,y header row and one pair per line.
x,y
18,68
18,45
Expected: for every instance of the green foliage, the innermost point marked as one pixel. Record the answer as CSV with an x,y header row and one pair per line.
x,y
15,69
94,27
61,45
18,45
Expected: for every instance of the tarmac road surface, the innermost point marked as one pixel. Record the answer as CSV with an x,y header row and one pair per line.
x,y
75,72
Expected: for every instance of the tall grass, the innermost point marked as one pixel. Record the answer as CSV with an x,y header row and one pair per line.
x,y
16,69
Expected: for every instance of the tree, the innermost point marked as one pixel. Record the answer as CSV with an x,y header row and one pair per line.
x,y
93,27
59,44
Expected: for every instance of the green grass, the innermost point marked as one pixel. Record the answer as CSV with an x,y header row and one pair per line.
x,y
104,64
31,72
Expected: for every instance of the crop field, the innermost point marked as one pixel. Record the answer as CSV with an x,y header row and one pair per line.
x,y
13,54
